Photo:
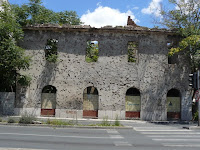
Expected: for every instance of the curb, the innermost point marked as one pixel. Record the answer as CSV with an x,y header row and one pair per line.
x,y
194,128
67,126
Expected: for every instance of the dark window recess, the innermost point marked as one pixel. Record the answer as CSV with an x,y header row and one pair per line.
x,y
51,53
91,90
92,51
133,51
173,59
49,89
173,93
133,92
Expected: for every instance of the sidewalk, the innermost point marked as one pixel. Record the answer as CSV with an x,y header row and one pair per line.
x,y
126,123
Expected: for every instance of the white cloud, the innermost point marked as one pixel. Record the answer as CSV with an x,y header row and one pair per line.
x,y
153,8
103,16
135,8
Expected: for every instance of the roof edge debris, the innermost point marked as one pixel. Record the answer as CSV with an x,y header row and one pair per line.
x,y
131,26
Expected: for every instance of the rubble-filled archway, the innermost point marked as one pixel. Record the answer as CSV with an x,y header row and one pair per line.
x,y
173,104
90,102
48,101
133,103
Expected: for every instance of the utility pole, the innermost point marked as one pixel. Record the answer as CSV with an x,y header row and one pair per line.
x,y
195,84
198,100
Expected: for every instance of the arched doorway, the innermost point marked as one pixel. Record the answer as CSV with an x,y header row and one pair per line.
x,y
173,104
48,101
133,103
90,102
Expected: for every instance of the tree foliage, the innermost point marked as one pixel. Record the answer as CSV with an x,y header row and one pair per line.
x,y
92,51
35,13
12,57
185,18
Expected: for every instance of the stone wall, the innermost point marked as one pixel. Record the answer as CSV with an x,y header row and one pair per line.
x,y
112,74
7,100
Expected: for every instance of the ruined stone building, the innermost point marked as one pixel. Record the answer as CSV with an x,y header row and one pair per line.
x,y
127,75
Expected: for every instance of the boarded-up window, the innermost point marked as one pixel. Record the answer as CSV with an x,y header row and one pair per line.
x,y
133,103
92,51
173,104
132,51
48,101
90,102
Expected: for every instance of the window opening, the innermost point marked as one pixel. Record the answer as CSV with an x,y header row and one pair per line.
x,y
92,51
51,53
132,51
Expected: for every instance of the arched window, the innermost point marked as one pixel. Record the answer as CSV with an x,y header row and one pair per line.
x,y
48,101
173,104
133,103
90,102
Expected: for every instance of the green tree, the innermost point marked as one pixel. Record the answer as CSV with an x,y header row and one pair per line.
x,y
12,57
35,13
185,18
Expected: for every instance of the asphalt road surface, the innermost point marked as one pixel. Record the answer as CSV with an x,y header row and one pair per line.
x,y
143,136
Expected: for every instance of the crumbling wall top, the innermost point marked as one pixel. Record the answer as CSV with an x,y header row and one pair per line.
x,y
87,28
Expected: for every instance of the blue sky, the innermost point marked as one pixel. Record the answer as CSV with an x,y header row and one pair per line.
x,y
99,13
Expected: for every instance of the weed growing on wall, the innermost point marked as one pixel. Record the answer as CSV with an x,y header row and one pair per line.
x,y
51,53
92,51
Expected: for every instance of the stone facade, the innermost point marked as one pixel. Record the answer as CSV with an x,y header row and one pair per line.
x,y
7,100
112,75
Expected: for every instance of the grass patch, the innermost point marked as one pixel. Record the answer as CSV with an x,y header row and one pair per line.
x,y
59,122
27,119
11,120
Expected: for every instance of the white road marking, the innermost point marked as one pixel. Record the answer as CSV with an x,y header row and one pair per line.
x,y
112,132
6,148
175,140
60,136
165,136
165,130
170,133
181,145
120,143
116,137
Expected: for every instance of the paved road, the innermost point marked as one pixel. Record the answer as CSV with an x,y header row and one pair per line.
x,y
143,136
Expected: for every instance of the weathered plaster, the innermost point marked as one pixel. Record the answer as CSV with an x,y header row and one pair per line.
x,y
112,74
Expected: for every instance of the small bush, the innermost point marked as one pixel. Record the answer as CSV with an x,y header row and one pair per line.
x,y
48,121
11,120
105,122
27,119
52,58
195,117
1,120
117,122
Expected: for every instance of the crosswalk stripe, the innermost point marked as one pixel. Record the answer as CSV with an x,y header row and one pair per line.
x,y
116,137
180,145
120,143
112,132
171,137
197,133
175,140
164,130
165,136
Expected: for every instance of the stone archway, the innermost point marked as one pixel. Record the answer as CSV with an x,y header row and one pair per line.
x,y
133,103
90,102
48,101
173,104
